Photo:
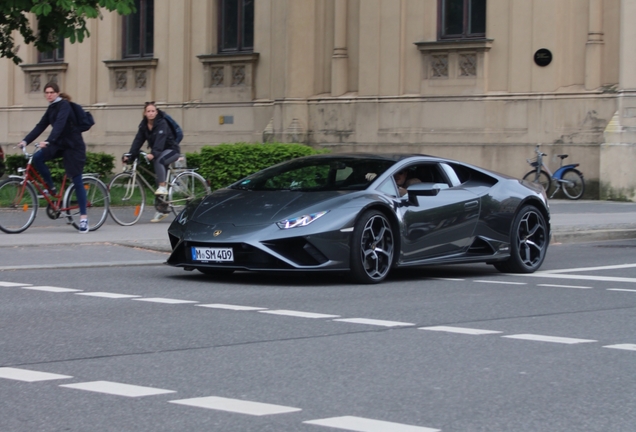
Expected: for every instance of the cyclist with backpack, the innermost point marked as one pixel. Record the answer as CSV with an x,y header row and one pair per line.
x,y
164,146
65,141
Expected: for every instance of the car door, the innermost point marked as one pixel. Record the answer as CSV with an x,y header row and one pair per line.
x,y
439,218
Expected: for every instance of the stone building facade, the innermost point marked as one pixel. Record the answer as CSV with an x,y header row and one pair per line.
x,y
482,81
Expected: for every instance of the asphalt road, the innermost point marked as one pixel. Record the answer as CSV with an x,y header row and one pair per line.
x,y
146,347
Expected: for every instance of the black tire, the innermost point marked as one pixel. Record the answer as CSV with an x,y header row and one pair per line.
x,y
96,203
372,248
529,239
573,185
185,188
17,209
127,199
543,179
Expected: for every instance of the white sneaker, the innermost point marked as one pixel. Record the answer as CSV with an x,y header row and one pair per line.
x,y
161,190
158,217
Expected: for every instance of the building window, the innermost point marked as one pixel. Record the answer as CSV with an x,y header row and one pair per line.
x,y
138,30
236,25
462,19
53,56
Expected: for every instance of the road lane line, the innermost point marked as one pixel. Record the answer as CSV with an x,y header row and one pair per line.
x,y
13,284
231,307
555,339
360,424
77,265
501,282
107,295
50,289
580,269
578,277
117,389
620,289
236,406
564,286
628,347
164,300
374,322
29,375
447,279
462,330
298,314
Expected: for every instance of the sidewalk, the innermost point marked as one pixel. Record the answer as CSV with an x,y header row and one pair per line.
x,y
572,222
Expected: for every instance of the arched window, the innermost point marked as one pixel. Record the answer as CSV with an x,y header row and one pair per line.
x,y
461,19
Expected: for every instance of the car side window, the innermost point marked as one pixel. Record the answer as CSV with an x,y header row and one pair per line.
x,y
452,175
388,187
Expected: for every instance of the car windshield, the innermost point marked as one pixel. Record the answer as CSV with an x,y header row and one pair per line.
x,y
317,174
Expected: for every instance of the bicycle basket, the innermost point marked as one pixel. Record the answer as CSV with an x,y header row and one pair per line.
x,y
533,162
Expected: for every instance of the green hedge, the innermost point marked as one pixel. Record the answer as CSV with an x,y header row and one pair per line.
x,y
224,164
100,163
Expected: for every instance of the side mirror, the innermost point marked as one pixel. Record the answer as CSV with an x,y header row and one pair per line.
x,y
424,189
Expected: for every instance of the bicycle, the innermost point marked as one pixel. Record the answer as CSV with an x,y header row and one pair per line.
x,y
128,194
567,177
20,195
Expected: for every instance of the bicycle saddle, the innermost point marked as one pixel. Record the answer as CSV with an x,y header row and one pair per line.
x,y
562,156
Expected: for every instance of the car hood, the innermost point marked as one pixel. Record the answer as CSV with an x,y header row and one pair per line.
x,y
245,207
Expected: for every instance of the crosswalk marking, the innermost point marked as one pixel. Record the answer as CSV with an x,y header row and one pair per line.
x,y
107,295
29,375
463,330
235,406
541,338
628,347
360,424
230,307
164,300
374,322
298,314
12,284
117,389
50,289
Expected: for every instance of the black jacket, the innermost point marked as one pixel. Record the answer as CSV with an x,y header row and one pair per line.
x,y
160,138
64,134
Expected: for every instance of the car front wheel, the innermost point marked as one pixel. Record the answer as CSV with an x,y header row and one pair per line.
x,y
372,248
529,241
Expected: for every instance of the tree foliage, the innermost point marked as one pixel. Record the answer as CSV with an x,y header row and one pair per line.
x,y
54,19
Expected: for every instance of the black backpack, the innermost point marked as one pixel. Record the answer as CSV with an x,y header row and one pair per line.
x,y
176,129
84,119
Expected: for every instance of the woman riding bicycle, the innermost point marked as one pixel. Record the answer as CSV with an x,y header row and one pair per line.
x,y
65,141
164,149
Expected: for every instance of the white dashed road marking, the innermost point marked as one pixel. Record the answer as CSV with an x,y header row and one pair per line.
x,y
107,295
564,286
231,307
12,284
164,300
462,330
235,406
619,289
29,375
117,389
555,339
298,314
501,282
50,289
360,424
374,322
578,277
628,347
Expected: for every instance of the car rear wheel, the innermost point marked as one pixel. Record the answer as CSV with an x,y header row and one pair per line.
x,y
372,248
528,242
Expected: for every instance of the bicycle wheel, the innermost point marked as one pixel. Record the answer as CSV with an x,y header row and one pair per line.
x,y
127,199
96,203
185,188
573,184
18,205
542,178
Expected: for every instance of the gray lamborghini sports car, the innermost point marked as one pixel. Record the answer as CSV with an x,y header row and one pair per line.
x,y
346,212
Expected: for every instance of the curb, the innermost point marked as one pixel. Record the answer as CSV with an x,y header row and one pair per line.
x,y
591,236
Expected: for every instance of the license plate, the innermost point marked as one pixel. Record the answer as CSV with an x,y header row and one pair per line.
x,y
212,254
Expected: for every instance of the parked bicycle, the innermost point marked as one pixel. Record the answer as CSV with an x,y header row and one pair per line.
x,y
20,198
128,191
567,177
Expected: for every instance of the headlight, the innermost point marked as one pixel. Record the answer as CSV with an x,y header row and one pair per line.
x,y
300,221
